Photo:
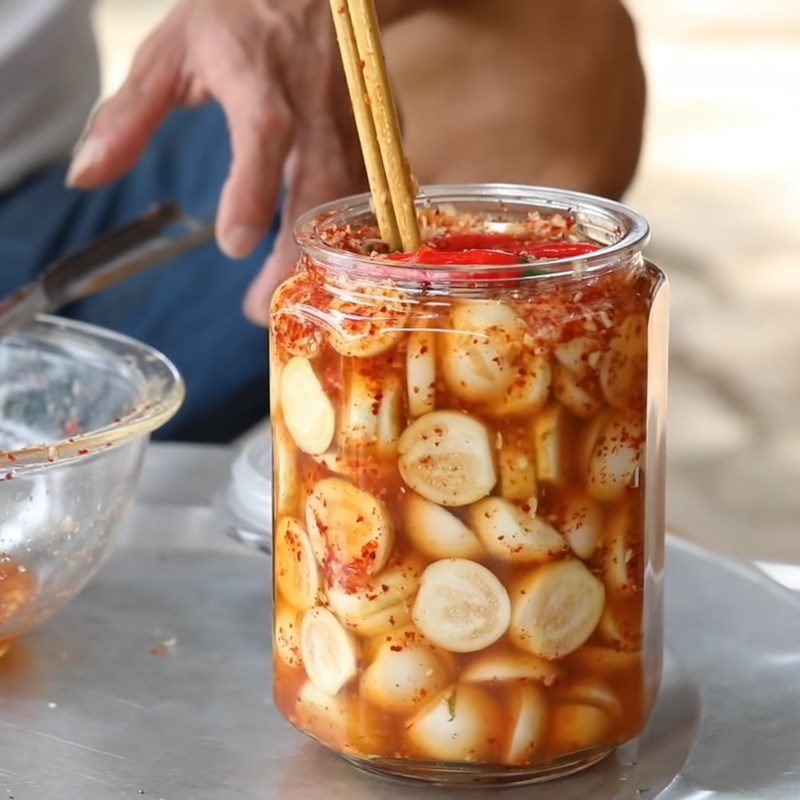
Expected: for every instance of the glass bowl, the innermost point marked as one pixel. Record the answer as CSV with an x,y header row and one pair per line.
x,y
77,406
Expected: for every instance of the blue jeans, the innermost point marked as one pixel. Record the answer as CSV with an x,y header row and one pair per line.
x,y
190,308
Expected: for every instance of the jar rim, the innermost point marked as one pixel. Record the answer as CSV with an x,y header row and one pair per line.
x,y
633,230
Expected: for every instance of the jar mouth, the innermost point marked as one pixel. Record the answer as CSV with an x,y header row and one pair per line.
x,y
620,231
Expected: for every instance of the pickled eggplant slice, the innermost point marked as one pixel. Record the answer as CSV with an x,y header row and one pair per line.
x,y
390,410
513,665
605,660
478,355
574,727
296,573
517,471
359,419
621,625
513,535
421,372
321,714
307,411
550,431
329,651
458,725
621,555
350,529
404,674
616,458
372,411
587,439
631,338
295,328
623,371
581,395
286,635
623,379
529,714
437,532
461,606
447,457
285,476
381,604
580,519
580,355
555,608
591,691
528,391
366,324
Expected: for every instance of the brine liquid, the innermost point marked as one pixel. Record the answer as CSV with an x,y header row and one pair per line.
x,y
17,591
565,480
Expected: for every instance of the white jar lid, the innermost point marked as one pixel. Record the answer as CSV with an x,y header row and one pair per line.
x,y
246,503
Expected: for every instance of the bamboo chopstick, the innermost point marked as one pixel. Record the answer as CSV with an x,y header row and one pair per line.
x,y
362,54
365,125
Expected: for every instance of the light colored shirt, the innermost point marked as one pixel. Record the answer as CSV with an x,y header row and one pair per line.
x,y
49,80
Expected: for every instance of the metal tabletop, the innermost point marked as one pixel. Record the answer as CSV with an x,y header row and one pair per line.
x,y
155,682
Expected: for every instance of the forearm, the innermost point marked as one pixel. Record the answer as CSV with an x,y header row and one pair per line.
x,y
520,90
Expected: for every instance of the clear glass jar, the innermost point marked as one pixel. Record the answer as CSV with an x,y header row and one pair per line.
x,y
468,479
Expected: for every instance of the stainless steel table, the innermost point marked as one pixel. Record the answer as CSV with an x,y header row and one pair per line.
x,y
155,682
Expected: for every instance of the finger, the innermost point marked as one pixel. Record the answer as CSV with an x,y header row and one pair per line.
x,y
119,130
317,172
260,124
284,253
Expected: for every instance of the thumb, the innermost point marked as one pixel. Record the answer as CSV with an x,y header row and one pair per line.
x,y
314,175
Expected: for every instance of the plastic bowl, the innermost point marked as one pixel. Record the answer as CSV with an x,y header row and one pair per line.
x,y
89,399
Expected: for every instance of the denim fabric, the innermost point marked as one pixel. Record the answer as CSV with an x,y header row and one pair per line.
x,y
190,308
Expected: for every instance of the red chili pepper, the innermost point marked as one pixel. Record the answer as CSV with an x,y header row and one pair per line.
x,y
560,249
429,255
513,244
479,241
464,250
417,257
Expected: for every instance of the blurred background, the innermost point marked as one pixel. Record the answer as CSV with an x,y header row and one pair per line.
x,y
720,182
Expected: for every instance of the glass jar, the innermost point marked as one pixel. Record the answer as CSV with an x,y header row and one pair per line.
x,y
468,487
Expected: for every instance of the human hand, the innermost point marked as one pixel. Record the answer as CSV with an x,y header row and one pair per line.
x,y
274,68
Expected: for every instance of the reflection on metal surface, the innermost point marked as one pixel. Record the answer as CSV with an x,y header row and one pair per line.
x,y
787,575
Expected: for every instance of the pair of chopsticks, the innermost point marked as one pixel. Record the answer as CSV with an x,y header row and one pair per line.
x,y
389,176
